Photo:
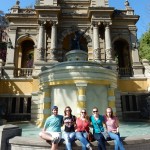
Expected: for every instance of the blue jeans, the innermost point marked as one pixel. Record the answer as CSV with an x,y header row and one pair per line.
x,y
69,137
82,137
101,141
117,141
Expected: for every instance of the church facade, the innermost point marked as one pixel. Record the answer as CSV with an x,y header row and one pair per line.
x,y
40,38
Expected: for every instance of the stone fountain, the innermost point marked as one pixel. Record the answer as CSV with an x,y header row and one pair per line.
x,y
77,83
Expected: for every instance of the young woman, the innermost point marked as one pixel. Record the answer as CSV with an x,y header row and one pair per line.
x,y
112,126
69,127
82,127
97,121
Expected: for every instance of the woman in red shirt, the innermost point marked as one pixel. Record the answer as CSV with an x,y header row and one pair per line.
x,y
82,127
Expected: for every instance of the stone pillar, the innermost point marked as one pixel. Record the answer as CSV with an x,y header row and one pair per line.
x,y
17,105
111,99
46,104
108,45
40,110
53,41
118,105
35,115
7,132
41,42
9,66
96,45
81,101
137,66
1,64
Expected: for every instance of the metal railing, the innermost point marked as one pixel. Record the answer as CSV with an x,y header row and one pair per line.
x,y
125,72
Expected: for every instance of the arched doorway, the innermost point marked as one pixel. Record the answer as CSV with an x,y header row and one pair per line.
x,y
122,57
69,43
27,47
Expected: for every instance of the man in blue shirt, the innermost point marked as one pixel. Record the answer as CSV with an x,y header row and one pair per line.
x,y
52,128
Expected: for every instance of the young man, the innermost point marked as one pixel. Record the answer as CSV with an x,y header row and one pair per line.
x,y
52,128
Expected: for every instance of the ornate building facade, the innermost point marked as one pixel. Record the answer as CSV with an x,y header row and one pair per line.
x,y
40,38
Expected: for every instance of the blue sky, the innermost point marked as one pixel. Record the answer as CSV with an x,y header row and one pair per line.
x,y
141,7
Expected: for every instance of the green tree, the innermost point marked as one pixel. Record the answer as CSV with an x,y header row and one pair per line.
x,y
37,2
144,50
1,12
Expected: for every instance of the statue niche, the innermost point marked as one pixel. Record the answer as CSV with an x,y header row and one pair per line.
x,y
77,42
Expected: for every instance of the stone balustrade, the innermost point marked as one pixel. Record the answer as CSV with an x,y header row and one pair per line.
x,y
23,72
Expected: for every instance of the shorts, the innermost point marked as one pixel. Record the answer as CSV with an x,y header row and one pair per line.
x,y
57,135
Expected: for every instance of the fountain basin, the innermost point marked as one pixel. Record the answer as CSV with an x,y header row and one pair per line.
x,y
79,84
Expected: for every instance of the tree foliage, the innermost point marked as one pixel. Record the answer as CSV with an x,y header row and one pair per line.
x,y
37,2
144,50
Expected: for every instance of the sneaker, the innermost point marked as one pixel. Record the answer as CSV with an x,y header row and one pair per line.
x,y
56,140
89,147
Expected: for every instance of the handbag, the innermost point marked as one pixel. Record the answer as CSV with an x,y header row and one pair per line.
x,y
105,135
90,137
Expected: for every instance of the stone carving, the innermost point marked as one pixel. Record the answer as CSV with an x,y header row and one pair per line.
x,y
146,65
53,53
41,53
75,41
96,54
108,54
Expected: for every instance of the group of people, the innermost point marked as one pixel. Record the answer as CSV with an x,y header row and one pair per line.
x,y
79,127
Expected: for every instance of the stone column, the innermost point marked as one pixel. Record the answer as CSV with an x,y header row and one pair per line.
x,y
53,41
46,103
1,64
96,44
35,115
9,66
81,101
137,66
40,109
17,105
108,45
111,99
41,42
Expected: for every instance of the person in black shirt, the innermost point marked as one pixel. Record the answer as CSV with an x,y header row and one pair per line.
x,y
69,127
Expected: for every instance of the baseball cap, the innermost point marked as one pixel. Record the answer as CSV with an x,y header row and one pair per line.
x,y
54,107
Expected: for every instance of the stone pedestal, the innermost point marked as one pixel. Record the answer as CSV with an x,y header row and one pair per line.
x,y
9,71
7,132
77,55
138,70
1,64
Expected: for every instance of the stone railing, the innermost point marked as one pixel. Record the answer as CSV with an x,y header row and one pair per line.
x,y
23,72
27,11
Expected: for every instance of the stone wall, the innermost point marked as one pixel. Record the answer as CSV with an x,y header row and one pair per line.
x,y
24,143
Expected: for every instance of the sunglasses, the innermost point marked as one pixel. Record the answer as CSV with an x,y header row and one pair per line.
x,y
67,110
83,112
95,111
